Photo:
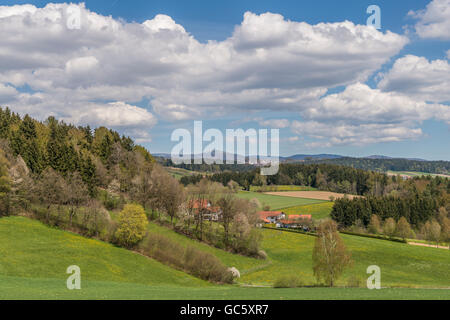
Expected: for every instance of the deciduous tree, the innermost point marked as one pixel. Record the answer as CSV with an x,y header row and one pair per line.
x,y
330,256
389,227
403,229
132,225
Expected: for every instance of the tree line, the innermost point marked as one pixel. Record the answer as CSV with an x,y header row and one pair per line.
x,y
384,165
322,176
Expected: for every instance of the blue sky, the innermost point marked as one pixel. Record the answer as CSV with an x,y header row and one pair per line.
x,y
360,110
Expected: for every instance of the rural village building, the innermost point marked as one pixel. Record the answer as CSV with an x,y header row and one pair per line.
x,y
280,219
210,212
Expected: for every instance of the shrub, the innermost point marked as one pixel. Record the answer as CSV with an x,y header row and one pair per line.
x,y
288,281
132,225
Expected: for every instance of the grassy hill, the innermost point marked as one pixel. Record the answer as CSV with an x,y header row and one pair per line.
x,y
30,249
34,258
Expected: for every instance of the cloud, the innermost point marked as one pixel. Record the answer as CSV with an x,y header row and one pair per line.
x,y
115,114
275,123
269,63
417,77
360,115
434,20
7,93
81,65
359,135
359,103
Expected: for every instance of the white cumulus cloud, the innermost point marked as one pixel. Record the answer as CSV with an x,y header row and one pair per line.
x,y
434,20
420,78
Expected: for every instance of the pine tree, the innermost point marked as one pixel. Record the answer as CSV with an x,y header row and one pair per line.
x,y
87,172
5,186
105,149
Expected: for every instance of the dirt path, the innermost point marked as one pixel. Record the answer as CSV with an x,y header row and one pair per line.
x,y
317,195
427,245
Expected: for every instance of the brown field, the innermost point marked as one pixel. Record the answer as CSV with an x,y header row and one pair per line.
x,y
318,195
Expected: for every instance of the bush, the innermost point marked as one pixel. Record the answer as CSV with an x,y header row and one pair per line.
x,y
288,281
189,259
132,225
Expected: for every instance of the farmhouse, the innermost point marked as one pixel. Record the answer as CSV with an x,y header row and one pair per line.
x,y
209,212
295,221
271,216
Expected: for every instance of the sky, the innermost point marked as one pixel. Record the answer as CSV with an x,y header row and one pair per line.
x,y
312,69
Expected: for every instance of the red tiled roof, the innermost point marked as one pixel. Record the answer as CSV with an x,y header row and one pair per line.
x,y
197,204
263,215
204,204
294,218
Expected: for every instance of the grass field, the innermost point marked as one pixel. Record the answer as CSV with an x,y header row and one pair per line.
x,y
317,210
22,288
276,202
178,173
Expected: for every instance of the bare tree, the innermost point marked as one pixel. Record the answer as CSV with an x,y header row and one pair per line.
x,y
77,194
228,205
173,197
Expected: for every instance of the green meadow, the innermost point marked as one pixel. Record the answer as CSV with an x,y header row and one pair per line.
x,y
41,289
317,210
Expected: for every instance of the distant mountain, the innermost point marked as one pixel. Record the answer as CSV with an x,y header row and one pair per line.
x,y
300,157
377,157
312,156
386,157
162,155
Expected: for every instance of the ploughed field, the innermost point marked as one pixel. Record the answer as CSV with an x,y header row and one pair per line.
x,y
317,195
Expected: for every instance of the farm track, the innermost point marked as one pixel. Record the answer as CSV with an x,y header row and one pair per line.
x,y
427,245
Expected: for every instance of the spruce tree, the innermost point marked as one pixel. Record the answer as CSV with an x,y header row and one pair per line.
x,y
5,186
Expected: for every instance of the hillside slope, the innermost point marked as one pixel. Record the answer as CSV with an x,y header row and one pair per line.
x,y
30,249
401,265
